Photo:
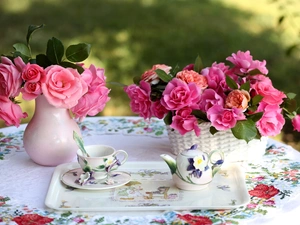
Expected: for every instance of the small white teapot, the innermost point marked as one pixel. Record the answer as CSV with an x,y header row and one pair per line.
x,y
194,169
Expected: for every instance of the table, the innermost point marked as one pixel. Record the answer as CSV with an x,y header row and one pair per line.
x,y
24,184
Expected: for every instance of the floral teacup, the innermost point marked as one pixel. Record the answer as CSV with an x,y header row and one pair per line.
x,y
101,160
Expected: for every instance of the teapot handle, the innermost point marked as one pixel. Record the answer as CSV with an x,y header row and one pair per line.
x,y
216,164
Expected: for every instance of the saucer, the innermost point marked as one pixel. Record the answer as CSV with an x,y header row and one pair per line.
x,y
116,179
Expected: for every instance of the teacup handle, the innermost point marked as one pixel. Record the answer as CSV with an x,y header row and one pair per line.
x,y
125,156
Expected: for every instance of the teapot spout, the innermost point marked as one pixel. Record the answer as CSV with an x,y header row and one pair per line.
x,y
170,161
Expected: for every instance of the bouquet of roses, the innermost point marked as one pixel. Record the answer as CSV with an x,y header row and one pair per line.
x,y
64,82
241,98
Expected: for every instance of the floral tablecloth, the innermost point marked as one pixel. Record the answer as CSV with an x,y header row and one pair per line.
x,y
273,184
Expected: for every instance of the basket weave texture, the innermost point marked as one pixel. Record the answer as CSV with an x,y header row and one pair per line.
x,y
233,148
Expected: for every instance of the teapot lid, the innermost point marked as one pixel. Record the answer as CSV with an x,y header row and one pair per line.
x,y
192,151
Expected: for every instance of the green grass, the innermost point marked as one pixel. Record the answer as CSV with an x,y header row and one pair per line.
x,y
129,36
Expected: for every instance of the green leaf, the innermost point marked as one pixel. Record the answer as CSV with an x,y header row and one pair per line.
x,y
255,72
30,31
55,50
213,130
43,61
290,105
137,80
291,49
291,95
72,65
163,75
280,20
256,116
245,86
245,129
116,84
198,66
23,49
168,118
175,70
79,52
256,99
17,54
231,83
200,115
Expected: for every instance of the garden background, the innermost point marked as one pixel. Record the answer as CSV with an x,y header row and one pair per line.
x,y
129,36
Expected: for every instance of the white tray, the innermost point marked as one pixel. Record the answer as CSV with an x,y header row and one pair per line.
x,y
151,188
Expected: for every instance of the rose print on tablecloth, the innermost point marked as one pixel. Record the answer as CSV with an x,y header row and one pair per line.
x,y
264,191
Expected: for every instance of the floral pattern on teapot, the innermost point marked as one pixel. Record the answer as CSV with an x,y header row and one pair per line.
x,y
194,169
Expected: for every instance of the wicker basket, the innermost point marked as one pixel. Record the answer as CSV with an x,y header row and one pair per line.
x,y
233,149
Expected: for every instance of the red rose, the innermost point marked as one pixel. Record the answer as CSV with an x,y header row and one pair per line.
x,y
195,220
33,219
264,191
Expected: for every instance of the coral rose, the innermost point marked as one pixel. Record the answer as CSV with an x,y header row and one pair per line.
x,y
189,76
150,76
63,87
179,94
237,99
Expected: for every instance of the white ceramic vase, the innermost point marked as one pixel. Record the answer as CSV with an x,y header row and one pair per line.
x,y
48,137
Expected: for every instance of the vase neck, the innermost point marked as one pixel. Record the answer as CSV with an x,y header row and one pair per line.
x,y
42,105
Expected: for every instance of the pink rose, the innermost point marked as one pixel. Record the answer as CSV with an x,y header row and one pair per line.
x,y
150,76
244,63
296,123
224,68
184,122
11,113
272,120
189,67
224,119
216,79
63,87
31,90
10,76
94,101
140,102
210,98
189,76
179,94
158,110
94,77
32,73
270,94
237,99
